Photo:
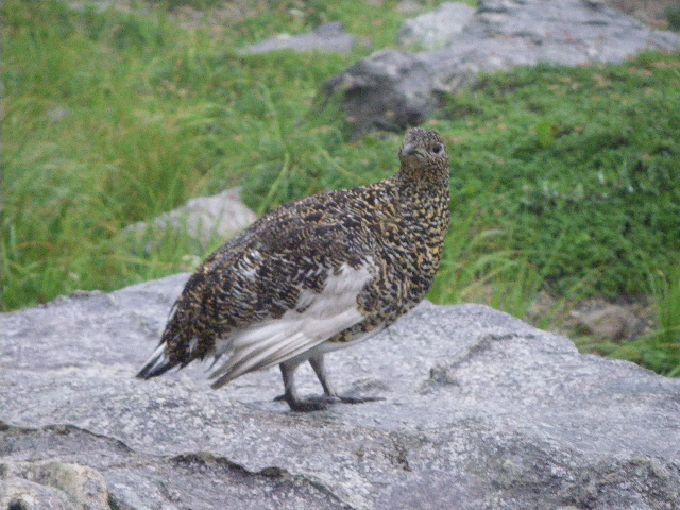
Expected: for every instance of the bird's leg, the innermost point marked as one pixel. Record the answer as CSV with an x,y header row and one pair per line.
x,y
331,395
320,370
290,396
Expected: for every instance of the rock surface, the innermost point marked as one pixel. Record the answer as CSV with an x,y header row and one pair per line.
x,y
481,411
58,113
218,216
48,484
327,38
609,321
392,90
435,30
652,12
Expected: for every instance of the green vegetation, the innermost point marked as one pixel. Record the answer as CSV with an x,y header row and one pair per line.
x,y
563,180
673,17
577,169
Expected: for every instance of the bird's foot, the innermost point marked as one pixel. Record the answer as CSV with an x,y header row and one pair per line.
x,y
310,403
306,405
321,402
356,399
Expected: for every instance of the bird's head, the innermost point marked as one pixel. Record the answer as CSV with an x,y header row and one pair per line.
x,y
423,153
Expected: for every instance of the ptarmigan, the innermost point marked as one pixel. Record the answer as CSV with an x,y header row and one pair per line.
x,y
315,276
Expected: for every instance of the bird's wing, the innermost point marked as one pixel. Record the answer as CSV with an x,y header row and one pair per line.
x,y
286,284
316,317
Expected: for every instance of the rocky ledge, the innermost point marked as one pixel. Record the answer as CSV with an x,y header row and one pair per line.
x,y
392,90
481,411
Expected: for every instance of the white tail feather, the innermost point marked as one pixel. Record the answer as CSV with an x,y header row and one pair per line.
x,y
325,314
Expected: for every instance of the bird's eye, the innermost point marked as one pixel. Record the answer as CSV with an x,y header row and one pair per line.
x,y
437,148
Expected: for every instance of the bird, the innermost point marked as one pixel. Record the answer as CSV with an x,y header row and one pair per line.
x,y
314,276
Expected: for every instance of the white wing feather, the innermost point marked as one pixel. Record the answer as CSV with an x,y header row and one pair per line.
x,y
274,341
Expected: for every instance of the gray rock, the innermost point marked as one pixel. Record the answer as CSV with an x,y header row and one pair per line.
x,y
435,30
37,485
392,90
409,7
327,38
21,494
481,411
58,113
609,321
216,217
101,6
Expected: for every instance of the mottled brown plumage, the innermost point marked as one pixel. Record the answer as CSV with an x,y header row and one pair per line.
x,y
315,275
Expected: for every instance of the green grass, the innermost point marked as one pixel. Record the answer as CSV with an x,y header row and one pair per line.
x,y
578,168
673,17
563,180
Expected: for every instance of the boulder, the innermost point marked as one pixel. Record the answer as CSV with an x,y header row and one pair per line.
x,y
21,494
101,6
218,216
58,114
481,411
410,7
392,90
327,38
49,484
435,30
388,91
609,321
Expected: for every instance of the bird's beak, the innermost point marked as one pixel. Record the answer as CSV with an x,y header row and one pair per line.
x,y
409,149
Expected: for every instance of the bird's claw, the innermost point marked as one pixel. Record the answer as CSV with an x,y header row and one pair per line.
x,y
321,402
303,406
356,399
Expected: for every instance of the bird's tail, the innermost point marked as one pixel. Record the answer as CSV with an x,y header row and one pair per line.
x,y
177,347
158,363
179,343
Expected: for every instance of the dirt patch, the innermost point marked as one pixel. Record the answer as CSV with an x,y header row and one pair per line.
x,y
621,320
618,322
